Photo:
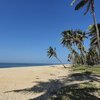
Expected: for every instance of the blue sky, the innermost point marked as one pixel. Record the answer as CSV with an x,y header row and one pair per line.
x,y
29,27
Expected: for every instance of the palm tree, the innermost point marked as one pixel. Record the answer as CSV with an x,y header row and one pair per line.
x,y
92,31
52,53
73,40
67,41
79,37
90,6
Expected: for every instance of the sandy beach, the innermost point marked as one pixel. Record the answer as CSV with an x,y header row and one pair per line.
x,y
27,83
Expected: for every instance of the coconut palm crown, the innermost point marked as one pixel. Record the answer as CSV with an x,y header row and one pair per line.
x,y
51,52
82,3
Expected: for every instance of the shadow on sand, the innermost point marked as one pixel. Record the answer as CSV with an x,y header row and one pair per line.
x,y
78,86
66,90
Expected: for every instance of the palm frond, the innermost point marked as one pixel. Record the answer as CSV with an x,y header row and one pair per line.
x,y
88,7
81,4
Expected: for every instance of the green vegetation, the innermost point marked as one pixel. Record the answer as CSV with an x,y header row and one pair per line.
x,y
92,69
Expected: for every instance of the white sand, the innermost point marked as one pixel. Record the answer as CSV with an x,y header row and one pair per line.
x,y
26,78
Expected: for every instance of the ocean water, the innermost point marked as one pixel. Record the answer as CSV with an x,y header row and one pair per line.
x,y
11,65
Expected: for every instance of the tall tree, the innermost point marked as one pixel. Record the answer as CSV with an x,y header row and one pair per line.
x,y
73,40
52,53
90,7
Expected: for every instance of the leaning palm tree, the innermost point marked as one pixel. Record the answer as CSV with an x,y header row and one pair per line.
x,y
52,53
90,7
78,40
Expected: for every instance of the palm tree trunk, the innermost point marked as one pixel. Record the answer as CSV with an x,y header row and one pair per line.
x,y
97,32
60,62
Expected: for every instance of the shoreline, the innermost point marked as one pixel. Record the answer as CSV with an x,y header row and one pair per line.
x,y
67,65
